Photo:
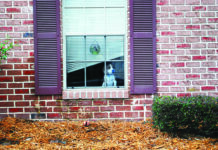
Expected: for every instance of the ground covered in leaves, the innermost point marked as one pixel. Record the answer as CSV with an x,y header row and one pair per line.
x,y
25,134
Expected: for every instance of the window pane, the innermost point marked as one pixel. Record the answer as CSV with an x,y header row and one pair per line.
x,y
95,48
75,48
115,47
94,73
75,74
114,74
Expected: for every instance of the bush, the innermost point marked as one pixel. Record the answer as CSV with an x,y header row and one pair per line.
x,y
5,46
193,114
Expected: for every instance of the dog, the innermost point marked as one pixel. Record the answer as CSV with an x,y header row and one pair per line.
x,y
109,78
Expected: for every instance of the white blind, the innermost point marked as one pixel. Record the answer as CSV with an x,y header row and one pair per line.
x,y
82,17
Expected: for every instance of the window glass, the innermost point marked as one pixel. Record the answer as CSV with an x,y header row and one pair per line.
x,y
94,35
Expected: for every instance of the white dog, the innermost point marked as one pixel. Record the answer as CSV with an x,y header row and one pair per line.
x,y
109,78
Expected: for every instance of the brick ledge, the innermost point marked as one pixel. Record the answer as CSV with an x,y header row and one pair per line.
x,y
95,93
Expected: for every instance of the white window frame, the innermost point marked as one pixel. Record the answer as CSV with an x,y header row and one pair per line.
x,y
126,49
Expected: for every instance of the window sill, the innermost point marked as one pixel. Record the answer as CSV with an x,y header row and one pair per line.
x,y
94,93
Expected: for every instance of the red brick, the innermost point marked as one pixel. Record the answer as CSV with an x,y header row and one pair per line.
x,y
20,3
6,91
69,116
53,103
213,20
193,64
84,103
168,83
208,76
131,114
177,64
30,97
3,85
107,108
210,39
199,8
29,85
193,76
123,108
167,33
21,79
183,58
91,109
5,3
13,72
177,89
85,115
14,60
192,27
3,110
32,78
208,88
213,69
6,79
27,22
21,66
100,102
5,16
13,10
22,91
116,115
31,110
54,116
6,104
28,72
198,57
75,109
2,72
15,97
46,97
184,94
15,85
183,45
162,52
15,109
45,109
3,97
18,104
100,115
177,14
22,116
116,102
7,29
162,2
138,107
60,109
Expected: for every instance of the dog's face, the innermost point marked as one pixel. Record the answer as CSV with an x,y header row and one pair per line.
x,y
109,69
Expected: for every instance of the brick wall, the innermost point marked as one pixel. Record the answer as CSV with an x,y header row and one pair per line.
x,y
187,57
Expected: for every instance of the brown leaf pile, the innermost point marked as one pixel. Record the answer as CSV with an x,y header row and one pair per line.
x,y
24,134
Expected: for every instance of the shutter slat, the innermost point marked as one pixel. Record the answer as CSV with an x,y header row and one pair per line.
x,y
143,46
47,47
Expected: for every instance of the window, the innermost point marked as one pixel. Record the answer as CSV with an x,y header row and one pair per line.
x,y
97,28
94,34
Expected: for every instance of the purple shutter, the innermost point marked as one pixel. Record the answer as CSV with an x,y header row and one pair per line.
x,y
47,47
143,46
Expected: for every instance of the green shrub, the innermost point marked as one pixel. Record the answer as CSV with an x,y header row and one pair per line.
x,y
5,46
191,114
